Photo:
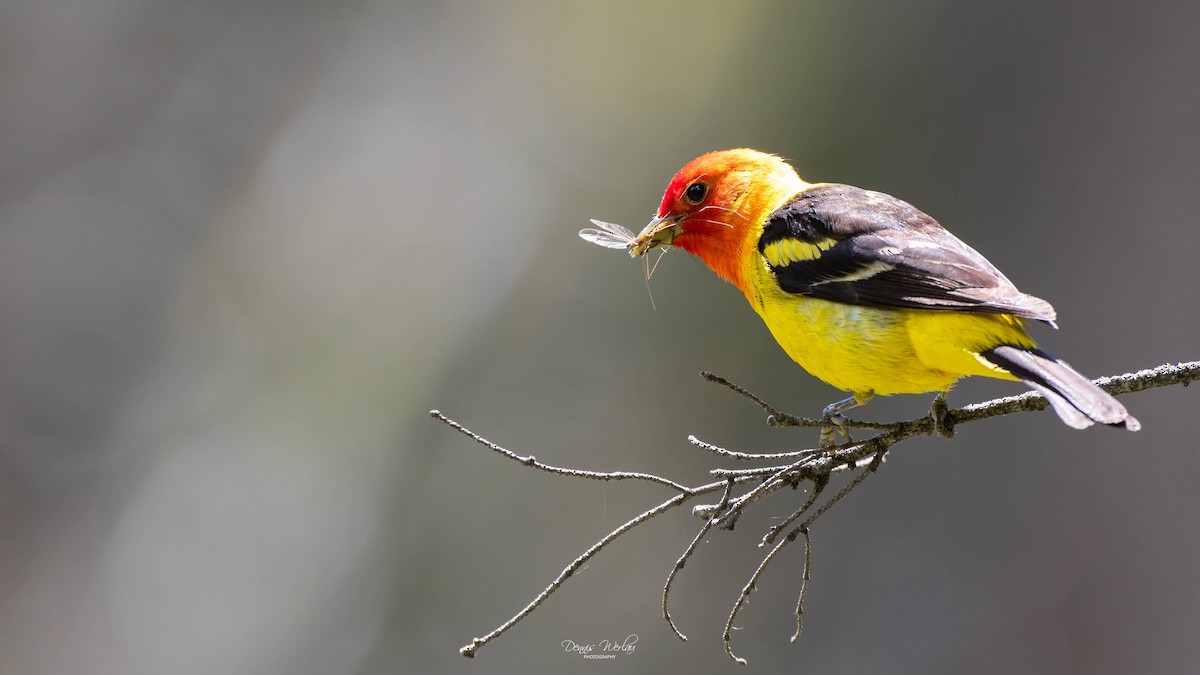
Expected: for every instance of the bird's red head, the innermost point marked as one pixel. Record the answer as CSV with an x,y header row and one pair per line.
x,y
715,203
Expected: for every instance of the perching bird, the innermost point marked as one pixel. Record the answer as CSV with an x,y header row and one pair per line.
x,y
863,290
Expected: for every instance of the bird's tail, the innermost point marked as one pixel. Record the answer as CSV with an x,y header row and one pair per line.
x,y
1076,400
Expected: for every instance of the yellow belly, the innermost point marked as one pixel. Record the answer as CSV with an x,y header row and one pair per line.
x,y
866,350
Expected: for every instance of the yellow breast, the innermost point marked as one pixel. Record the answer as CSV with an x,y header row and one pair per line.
x,y
881,351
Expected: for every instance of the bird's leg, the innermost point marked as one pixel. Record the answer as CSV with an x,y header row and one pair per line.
x,y
938,413
833,424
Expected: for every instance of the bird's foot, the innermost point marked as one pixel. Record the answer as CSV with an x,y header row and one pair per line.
x,y
834,425
937,413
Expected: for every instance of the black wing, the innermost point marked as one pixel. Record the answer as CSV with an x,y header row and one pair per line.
x,y
845,244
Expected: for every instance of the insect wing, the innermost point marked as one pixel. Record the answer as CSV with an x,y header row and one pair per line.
x,y
608,235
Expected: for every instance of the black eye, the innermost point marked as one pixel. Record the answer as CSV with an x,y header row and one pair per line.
x,y
695,192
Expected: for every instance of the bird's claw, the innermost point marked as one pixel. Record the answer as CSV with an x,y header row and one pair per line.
x,y
833,426
937,412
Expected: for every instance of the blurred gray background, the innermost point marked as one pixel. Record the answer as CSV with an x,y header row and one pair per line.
x,y
246,246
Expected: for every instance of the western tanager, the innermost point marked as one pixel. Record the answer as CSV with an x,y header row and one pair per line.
x,y
863,290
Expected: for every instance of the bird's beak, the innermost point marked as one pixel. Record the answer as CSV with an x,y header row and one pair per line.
x,y
659,233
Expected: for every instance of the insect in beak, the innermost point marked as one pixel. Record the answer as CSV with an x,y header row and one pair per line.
x,y
658,233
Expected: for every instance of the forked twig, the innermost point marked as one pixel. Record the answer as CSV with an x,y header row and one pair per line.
x,y
752,584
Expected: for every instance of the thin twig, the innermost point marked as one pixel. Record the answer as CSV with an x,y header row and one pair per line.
x,y
687,553
766,407
803,585
530,460
778,418
734,454
819,484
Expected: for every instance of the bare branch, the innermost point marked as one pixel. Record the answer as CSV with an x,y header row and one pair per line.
x,y
815,465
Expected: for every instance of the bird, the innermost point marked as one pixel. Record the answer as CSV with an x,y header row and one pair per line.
x,y
861,289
